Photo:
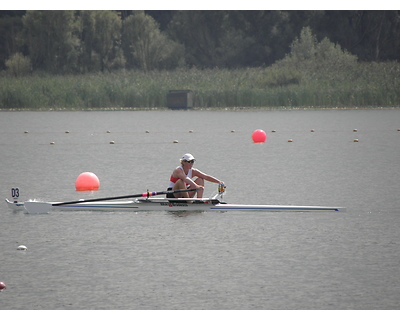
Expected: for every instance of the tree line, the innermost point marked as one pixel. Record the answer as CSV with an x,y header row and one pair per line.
x,y
72,42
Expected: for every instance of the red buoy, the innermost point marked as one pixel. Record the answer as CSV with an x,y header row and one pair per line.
x,y
2,286
87,181
259,136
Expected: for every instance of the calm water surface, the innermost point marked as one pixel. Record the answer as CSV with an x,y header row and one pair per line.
x,y
240,260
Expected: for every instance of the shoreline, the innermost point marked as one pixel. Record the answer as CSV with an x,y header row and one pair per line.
x,y
363,86
237,109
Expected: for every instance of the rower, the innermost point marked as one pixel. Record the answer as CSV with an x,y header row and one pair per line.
x,y
187,177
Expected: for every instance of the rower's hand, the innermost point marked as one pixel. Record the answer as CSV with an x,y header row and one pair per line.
x,y
200,187
221,187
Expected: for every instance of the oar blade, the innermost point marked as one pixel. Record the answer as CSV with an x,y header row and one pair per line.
x,y
37,207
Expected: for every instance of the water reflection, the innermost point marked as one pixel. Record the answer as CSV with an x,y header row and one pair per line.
x,y
184,214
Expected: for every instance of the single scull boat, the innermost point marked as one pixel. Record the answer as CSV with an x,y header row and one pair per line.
x,y
143,202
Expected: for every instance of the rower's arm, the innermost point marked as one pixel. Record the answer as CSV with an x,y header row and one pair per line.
x,y
207,177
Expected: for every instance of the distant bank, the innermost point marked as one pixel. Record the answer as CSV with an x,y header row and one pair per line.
x,y
367,85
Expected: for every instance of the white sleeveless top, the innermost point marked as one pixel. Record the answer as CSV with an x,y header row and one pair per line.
x,y
173,180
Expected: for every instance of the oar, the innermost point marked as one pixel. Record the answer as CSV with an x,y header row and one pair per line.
x,y
44,207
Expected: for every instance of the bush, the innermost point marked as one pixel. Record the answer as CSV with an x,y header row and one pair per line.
x,y
18,65
366,85
309,56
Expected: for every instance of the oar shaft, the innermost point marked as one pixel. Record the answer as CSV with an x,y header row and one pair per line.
x,y
145,194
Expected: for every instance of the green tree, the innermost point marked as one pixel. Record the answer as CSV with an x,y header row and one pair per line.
x,y
200,32
10,27
307,52
51,40
332,57
369,34
106,39
304,47
236,38
88,60
146,47
266,35
18,65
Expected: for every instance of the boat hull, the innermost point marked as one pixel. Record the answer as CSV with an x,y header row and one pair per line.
x,y
15,205
161,205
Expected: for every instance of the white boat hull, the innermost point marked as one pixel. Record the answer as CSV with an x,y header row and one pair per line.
x,y
159,204
15,205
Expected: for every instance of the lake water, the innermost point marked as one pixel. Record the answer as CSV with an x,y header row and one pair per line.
x,y
210,260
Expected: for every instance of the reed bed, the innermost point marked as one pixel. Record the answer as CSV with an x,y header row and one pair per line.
x,y
365,85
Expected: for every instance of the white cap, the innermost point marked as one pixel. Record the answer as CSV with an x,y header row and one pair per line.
x,y
187,157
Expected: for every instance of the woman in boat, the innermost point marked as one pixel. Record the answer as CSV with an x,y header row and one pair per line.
x,y
183,178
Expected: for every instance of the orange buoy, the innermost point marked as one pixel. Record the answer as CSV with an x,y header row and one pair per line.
x,y
87,181
259,136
